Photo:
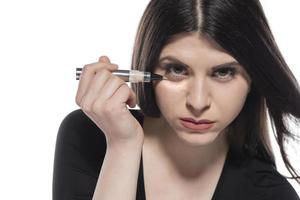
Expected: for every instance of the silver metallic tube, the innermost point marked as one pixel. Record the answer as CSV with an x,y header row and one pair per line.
x,y
133,76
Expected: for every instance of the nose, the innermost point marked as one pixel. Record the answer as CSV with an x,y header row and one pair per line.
x,y
198,96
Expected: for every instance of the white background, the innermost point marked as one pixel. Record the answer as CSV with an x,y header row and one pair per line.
x,y
41,44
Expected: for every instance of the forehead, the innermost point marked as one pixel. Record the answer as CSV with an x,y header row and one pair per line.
x,y
191,46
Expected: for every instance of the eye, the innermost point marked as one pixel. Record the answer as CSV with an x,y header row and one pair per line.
x,y
224,73
177,71
174,69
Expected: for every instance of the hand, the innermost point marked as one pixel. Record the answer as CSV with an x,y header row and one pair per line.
x,y
103,97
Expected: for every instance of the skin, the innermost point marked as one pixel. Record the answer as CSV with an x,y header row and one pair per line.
x,y
193,158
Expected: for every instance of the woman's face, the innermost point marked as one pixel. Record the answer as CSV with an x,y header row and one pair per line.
x,y
199,87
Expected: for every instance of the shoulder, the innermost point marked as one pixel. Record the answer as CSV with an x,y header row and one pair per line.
x,y
250,178
267,182
77,127
78,120
80,143
76,124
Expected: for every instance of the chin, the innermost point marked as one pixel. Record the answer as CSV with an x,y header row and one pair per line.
x,y
198,139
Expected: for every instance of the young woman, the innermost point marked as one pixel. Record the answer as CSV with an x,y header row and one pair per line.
x,y
200,134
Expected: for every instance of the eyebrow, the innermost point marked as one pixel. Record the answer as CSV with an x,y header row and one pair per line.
x,y
171,58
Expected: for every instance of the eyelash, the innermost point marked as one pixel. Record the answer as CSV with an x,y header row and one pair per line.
x,y
169,69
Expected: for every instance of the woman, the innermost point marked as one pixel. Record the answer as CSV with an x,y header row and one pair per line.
x,y
222,65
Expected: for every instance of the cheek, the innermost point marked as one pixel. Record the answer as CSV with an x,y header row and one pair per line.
x,y
230,100
168,95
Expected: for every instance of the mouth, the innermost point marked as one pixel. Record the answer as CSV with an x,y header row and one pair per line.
x,y
198,125
201,121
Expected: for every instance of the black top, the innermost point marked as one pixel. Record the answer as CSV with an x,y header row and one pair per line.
x,y
80,150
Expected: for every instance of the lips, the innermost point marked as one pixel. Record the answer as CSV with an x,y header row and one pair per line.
x,y
196,127
202,121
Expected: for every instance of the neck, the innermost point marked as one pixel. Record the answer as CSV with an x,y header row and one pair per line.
x,y
186,159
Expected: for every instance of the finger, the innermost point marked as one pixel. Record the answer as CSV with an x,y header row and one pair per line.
x,y
110,87
132,101
132,96
97,84
87,75
104,59
125,95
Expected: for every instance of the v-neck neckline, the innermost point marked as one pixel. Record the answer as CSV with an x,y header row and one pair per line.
x,y
141,194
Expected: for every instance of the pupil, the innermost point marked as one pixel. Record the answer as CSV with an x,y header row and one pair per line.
x,y
177,70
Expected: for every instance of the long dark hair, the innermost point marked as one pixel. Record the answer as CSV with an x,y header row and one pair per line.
x,y
241,29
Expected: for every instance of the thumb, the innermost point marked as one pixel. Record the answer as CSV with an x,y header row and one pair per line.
x,y
104,59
